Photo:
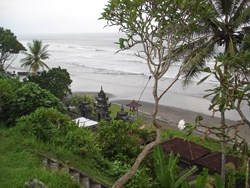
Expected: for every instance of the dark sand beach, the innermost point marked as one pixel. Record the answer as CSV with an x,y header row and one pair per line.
x,y
169,116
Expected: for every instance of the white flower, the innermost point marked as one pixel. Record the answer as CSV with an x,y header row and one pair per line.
x,y
181,124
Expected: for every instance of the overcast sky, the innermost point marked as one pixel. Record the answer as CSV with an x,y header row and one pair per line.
x,y
53,16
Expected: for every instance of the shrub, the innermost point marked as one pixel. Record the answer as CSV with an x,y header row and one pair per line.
x,y
8,87
119,140
56,80
76,101
30,97
82,141
46,124
142,179
118,169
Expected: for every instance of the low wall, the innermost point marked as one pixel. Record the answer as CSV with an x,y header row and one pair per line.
x,y
77,175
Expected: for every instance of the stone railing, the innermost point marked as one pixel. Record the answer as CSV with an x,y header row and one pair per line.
x,y
77,175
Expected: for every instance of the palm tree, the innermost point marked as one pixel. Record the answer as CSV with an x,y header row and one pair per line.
x,y
226,28
34,58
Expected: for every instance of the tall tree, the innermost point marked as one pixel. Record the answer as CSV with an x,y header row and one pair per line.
x,y
56,80
231,93
9,47
36,56
159,28
224,31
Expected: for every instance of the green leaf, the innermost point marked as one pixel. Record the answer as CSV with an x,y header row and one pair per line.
x,y
185,175
160,165
203,79
198,119
247,88
121,42
218,181
202,178
207,69
205,96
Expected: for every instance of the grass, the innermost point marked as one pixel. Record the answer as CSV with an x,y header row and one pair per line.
x,y
21,161
212,144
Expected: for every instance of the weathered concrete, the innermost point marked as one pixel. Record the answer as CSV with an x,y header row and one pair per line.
x,y
84,180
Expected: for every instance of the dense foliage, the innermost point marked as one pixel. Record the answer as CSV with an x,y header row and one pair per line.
x,y
49,125
119,140
9,47
83,142
8,87
18,99
30,97
38,114
75,101
55,80
46,124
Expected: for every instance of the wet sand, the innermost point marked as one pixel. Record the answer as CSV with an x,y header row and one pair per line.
x,y
169,116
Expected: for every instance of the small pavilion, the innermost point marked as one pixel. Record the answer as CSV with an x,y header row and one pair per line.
x,y
133,106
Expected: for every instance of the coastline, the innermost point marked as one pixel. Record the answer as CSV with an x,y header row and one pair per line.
x,y
169,116
131,87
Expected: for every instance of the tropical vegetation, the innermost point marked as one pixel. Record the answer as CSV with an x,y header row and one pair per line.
x,y
34,119
10,47
189,32
34,59
55,80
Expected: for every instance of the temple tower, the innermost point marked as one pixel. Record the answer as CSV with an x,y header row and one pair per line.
x,y
102,106
85,109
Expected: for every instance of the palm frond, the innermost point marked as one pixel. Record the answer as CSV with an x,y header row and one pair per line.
x,y
225,6
37,53
243,18
238,9
185,175
196,60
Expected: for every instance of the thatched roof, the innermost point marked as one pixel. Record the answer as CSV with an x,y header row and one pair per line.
x,y
212,161
194,154
189,151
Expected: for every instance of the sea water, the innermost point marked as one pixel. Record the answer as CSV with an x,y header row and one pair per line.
x,y
92,52
89,52
96,55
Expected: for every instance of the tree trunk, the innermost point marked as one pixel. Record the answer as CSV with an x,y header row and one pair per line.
x,y
121,181
1,68
223,157
247,172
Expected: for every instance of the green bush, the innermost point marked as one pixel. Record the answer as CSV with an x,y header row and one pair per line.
x,y
118,169
82,141
47,124
119,140
8,87
56,80
30,97
141,179
76,100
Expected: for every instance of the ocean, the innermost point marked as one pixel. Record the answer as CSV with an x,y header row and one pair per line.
x,y
92,61
92,52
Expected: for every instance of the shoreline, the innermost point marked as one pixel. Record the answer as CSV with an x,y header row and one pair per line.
x,y
169,116
130,87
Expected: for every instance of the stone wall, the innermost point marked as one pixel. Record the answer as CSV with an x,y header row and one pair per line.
x,y
77,175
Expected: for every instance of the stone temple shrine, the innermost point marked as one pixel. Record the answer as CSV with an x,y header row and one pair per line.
x,y
102,106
